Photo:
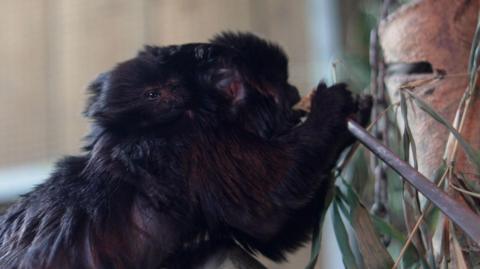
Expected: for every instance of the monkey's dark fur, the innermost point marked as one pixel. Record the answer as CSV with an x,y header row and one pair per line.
x,y
190,144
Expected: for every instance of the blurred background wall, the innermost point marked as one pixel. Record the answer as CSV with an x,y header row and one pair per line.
x,y
51,49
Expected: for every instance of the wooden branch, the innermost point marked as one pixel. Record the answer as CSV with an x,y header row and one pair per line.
x,y
458,213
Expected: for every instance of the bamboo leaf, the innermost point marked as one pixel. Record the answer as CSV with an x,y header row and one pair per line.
x,y
411,200
474,54
472,155
408,135
459,258
457,212
411,256
342,239
374,253
433,218
341,202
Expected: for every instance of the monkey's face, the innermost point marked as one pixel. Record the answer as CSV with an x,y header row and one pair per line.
x,y
209,84
145,92
140,95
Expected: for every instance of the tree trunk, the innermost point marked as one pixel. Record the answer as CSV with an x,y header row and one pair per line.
x,y
436,33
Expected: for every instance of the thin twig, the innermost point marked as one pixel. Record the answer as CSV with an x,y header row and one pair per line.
x,y
471,193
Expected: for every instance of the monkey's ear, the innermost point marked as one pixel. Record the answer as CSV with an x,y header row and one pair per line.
x,y
230,83
262,57
95,89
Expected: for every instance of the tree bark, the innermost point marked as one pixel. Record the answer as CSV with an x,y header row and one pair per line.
x,y
439,33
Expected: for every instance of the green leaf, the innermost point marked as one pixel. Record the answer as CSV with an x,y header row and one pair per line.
x,y
374,253
411,256
342,239
342,203
473,59
408,140
433,218
411,201
472,155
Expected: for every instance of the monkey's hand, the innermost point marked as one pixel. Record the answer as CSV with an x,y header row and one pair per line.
x,y
363,103
331,107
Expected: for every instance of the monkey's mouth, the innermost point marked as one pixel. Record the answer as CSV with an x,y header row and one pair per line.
x,y
171,114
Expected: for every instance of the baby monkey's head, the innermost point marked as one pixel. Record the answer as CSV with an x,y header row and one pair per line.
x,y
236,79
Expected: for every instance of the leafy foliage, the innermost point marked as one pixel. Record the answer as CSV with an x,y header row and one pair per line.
x,y
391,237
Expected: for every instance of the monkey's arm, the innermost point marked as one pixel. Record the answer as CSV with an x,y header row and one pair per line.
x,y
264,188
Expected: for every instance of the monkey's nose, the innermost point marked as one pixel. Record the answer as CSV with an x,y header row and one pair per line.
x,y
169,97
172,99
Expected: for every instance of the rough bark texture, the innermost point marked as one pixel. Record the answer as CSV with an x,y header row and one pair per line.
x,y
439,32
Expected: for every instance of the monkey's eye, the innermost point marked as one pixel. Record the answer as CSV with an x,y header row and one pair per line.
x,y
151,94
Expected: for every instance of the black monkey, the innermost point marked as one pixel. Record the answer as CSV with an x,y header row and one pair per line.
x,y
191,143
